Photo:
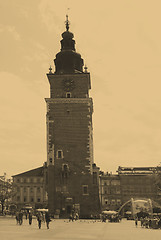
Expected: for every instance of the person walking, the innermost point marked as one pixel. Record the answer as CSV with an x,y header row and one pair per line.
x,y
26,215
39,219
30,218
20,217
136,221
17,217
47,219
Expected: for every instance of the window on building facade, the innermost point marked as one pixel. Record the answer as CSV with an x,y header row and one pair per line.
x,y
18,189
32,199
113,202
24,199
58,189
68,95
118,201
106,182
64,188
24,180
118,190
115,182
107,202
50,160
65,167
24,189
31,190
18,198
85,189
59,154
38,180
18,180
38,189
113,190
38,200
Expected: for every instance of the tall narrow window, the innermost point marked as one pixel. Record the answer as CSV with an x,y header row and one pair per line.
x,y
59,154
65,167
85,189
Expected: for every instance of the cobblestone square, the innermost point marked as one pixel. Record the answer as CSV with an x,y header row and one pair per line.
x,y
79,230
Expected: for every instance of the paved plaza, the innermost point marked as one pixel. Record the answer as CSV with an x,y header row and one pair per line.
x,y
79,230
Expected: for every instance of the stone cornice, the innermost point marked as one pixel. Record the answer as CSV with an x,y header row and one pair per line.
x,y
69,100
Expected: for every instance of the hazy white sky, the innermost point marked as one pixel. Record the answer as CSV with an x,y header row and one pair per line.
x,y
120,41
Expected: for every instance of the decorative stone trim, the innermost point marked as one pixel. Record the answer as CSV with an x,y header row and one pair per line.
x,y
69,100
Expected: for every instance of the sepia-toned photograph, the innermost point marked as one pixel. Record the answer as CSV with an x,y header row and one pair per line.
x,y
80,120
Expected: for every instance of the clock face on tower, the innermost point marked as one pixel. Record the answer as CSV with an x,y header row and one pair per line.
x,y
68,84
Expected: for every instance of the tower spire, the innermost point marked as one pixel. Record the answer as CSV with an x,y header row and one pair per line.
x,y
67,23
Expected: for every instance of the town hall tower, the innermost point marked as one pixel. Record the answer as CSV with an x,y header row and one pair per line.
x,y
72,174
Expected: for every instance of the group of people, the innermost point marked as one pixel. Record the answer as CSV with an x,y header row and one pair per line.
x,y
151,222
19,217
111,218
73,216
40,218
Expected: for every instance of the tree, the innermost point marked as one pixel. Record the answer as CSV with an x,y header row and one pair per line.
x,y
5,191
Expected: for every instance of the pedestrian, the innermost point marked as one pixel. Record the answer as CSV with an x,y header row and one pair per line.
x,y
136,221
39,219
141,221
30,218
77,216
70,217
17,217
47,219
20,217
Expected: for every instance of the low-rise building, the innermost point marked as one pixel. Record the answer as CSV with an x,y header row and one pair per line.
x,y
137,182
110,191
29,188
129,182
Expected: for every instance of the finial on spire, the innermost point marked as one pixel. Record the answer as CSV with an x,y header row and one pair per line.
x,y
50,69
67,23
85,69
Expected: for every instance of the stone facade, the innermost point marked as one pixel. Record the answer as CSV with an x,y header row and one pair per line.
x,y
29,188
138,182
135,182
110,192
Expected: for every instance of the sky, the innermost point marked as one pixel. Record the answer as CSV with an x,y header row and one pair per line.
x,y
120,42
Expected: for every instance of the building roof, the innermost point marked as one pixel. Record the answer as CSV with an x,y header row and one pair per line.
x,y
31,173
137,170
